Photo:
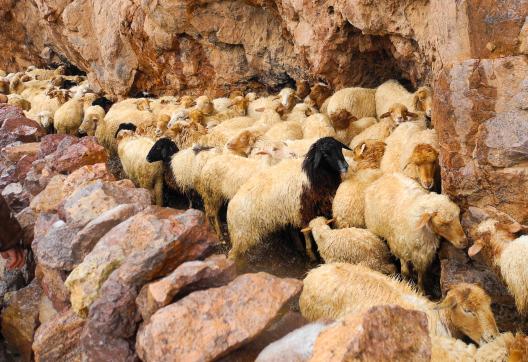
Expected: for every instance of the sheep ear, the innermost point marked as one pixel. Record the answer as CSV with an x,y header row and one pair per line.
x,y
345,146
384,115
424,220
412,115
513,228
328,222
475,248
306,230
362,149
261,109
317,158
448,303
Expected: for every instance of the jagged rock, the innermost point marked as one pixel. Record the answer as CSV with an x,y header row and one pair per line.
x,y
85,152
215,271
16,197
83,175
46,309
15,152
86,239
383,333
209,324
52,283
20,319
89,202
38,177
8,176
10,280
8,111
481,107
20,129
51,142
43,224
27,219
113,317
51,197
23,167
296,346
151,228
54,250
58,340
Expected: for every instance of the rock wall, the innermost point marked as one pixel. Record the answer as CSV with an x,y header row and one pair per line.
x,y
472,51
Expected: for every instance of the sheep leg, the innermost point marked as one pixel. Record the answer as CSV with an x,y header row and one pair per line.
x,y
421,277
158,191
308,240
297,240
404,269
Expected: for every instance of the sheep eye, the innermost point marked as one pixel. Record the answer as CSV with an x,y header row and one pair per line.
x,y
468,311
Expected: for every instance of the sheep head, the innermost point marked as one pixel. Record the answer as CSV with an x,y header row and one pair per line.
x,y
468,307
491,235
242,143
423,100
240,104
125,127
235,94
425,158
316,223
162,150
161,125
197,116
342,119
204,104
178,116
399,113
302,89
319,93
444,220
325,157
276,150
369,153
45,119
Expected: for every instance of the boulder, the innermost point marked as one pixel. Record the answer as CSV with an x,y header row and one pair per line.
x,y
58,340
8,111
27,219
52,283
15,152
209,324
215,271
23,167
88,236
51,197
85,152
88,202
383,333
46,309
50,143
53,250
43,224
20,319
20,129
10,280
150,229
38,177
113,317
8,176
16,196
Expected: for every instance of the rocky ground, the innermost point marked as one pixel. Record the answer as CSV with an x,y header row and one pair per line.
x,y
112,277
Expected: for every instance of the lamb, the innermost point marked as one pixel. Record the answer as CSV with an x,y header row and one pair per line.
x,y
133,151
381,130
292,192
359,102
222,177
93,116
348,207
349,245
411,220
412,150
506,253
335,290
69,116
392,92
317,126
319,93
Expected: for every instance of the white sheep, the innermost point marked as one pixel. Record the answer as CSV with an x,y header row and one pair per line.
x,y
411,220
335,290
45,119
256,106
381,130
392,92
133,151
93,116
292,192
69,116
507,254
359,102
317,126
348,207
448,349
349,245
413,151
287,130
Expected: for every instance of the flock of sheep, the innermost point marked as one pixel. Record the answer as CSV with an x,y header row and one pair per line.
x,y
362,160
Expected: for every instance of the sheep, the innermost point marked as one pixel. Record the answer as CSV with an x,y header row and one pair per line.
x,y
392,92
506,253
185,134
4,86
19,101
349,245
411,220
300,112
181,168
242,143
292,192
133,151
348,207
69,116
287,130
317,126
359,102
256,107
319,93
381,130
45,74
302,88
300,147
93,116
412,150
45,119
221,178
205,105
335,290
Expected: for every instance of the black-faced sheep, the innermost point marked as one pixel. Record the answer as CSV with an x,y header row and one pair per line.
x,y
290,193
